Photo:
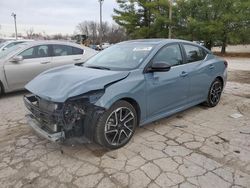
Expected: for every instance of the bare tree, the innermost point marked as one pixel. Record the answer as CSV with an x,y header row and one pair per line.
x,y
94,31
116,34
83,27
30,33
90,29
110,33
105,31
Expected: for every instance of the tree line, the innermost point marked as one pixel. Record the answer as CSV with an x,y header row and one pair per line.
x,y
111,33
212,21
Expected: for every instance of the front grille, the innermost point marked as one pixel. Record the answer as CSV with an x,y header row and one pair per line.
x,y
48,118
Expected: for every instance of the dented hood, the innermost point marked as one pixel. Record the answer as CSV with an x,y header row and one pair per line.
x,y
61,83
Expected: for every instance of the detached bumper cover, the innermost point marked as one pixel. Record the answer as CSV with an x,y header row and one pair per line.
x,y
35,125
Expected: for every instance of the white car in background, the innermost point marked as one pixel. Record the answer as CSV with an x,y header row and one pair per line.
x,y
7,44
21,63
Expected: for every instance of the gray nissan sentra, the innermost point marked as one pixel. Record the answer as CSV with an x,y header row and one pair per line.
x,y
129,84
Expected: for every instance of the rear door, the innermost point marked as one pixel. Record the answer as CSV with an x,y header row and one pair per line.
x,y
199,71
35,60
65,54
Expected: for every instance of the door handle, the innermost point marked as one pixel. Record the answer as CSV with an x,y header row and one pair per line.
x,y
45,62
183,74
211,66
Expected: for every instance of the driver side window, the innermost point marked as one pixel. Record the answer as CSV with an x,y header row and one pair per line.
x,y
170,54
36,52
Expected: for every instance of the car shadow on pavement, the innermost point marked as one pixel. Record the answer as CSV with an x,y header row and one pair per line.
x,y
14,94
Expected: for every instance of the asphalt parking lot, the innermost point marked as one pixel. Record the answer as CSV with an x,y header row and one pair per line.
x,y
199,147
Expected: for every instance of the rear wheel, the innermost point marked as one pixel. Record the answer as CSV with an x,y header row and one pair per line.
x,y
214,93
117,125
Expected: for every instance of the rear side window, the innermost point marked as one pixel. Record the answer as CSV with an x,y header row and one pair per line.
x,y
77,51
194,53
64,50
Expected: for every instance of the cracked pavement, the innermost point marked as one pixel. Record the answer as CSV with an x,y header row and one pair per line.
x,y
200,147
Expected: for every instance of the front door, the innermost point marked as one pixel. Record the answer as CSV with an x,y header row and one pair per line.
x,y
167,91
35,60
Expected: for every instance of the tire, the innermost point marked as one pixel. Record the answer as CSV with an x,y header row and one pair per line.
x,y
214,93
1,89
116,126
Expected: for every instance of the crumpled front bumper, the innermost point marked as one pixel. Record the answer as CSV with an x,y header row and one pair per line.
x,y
36,126
51,124
42,121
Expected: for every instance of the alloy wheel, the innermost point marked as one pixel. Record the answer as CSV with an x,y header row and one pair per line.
x,y
215,92
119,126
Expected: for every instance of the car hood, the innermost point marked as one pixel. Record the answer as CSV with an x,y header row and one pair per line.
x,y
61,83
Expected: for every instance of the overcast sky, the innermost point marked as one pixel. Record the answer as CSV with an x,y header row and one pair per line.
x,y
51,16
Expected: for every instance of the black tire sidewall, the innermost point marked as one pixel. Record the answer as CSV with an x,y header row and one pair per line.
x,y
1,89
100,126
209,103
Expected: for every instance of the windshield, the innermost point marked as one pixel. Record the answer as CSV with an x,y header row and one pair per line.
x,y
120,57
2,44
8,51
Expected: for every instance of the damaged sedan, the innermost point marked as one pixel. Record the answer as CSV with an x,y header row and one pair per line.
x,y
127,85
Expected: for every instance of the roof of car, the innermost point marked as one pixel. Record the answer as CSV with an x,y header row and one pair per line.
x,y
18,40
41,42
157,40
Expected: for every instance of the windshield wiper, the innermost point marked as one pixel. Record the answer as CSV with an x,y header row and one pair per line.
x,y
98,67
79,64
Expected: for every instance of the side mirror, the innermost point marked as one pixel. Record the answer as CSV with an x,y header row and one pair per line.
x,y
16,59
160,66
4,49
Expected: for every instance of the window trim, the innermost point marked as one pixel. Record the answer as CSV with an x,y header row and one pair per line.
x,y
166,45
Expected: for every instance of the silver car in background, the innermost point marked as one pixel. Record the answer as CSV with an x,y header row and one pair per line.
x,y
21,63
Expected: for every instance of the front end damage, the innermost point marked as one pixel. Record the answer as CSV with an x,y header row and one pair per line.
x,y
74,119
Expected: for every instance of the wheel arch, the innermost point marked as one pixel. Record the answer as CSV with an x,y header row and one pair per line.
x,y
136,105
221,79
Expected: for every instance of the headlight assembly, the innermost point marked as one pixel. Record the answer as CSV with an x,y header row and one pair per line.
x,y
94,96
75,108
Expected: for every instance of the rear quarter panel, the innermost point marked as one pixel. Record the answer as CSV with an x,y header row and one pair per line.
x,y
219,70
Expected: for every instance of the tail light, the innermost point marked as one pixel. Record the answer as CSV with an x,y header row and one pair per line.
x,y
225,63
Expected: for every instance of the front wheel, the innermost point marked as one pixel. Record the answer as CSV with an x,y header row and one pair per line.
x,y
116,126
214,93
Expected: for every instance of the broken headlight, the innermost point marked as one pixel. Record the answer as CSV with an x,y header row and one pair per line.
x,y
75,108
